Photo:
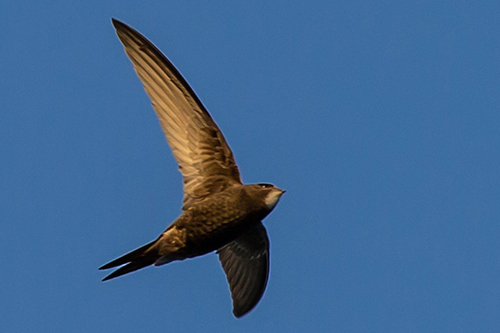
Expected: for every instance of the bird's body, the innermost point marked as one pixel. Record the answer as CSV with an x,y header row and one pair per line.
x,y
218,220
219,212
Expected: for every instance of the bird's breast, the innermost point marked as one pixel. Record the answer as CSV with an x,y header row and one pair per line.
x,y
217,221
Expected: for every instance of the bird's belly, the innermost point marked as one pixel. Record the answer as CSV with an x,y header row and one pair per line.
x,y
206,237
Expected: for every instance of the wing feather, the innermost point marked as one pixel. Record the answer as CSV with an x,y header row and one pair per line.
x,y
246,264
204,157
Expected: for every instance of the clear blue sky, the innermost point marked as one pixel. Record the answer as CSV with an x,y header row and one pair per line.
x,y
380,119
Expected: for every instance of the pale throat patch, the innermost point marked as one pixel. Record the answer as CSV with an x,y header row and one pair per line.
x,y
272,199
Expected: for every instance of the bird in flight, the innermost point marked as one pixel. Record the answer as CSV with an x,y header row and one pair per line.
x,y
219,212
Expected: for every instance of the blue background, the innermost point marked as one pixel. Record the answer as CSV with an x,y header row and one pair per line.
x,y
380,119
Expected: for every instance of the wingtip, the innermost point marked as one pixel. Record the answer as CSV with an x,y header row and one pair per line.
x,y
238,313
119,25
115,21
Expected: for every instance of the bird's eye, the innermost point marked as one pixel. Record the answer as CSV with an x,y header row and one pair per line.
x,y
264,185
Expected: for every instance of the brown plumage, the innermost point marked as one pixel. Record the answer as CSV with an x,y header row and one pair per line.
x,y
219,212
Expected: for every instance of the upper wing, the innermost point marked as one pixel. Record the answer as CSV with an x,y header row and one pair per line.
x,y
246,264
204,157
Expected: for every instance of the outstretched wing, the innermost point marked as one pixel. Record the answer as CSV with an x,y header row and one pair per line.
x,y
204,157
246,264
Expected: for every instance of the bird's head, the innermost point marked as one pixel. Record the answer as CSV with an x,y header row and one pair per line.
x,y
268,193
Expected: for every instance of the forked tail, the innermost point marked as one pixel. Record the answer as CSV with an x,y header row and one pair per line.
x,y
137,259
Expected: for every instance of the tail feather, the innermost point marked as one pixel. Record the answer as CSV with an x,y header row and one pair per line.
x,y
136,259
130,267
135,254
